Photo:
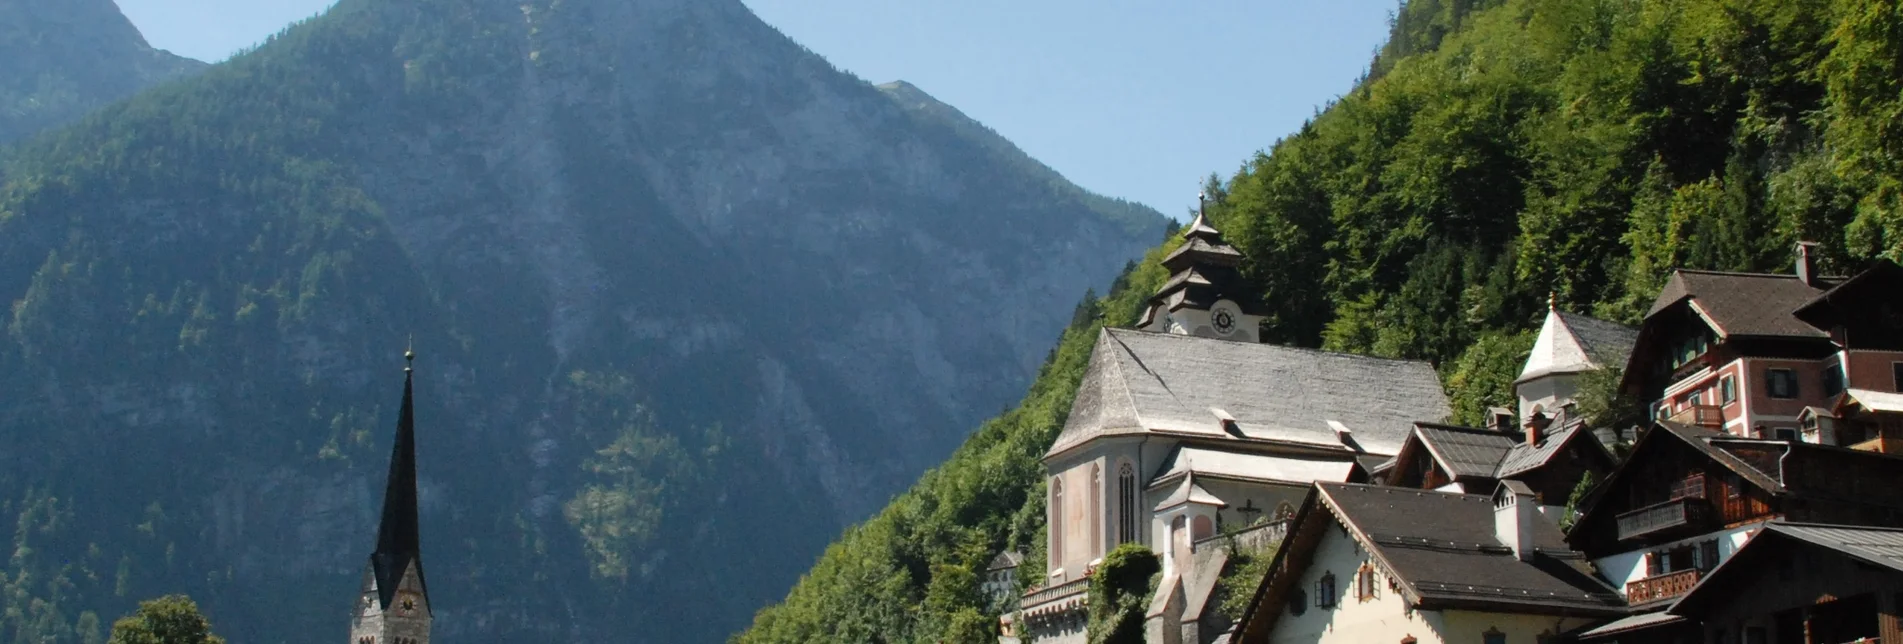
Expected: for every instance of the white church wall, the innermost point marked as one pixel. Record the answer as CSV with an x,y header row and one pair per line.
x,y
1548,392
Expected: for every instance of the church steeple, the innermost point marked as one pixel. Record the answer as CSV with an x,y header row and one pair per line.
x,y
1206,294
394,604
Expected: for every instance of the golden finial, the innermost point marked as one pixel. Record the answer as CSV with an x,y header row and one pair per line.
x,y
1552,300
409,355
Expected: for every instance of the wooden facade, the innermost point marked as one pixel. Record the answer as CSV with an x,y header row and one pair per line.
x,y
1781,590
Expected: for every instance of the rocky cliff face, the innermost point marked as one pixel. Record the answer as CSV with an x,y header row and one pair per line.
x,y
68,57
689,299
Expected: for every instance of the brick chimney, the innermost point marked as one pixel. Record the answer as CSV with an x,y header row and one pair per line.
x,y
1536,428
1807,263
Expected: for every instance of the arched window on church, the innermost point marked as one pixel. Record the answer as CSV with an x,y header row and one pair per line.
x,y
1095,513
1126,503
1057,522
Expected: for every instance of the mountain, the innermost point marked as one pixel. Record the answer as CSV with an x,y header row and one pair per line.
x,y
687,300
69,57
1498,153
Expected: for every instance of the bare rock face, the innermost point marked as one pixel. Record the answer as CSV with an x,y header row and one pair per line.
x,y
689,302
65,58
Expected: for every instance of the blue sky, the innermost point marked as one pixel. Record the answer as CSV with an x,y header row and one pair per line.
x,y
1137,99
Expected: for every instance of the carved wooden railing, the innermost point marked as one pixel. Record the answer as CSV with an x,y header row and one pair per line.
x,y
1666,586
1670,515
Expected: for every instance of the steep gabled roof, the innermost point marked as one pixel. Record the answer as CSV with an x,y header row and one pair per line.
x,y
1466,452
1190,492
1744,304
1442,550
1142,382
1565,429
1573,343
1875,283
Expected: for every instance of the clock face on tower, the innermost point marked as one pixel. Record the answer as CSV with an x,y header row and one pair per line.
x,y
406,605
1223,316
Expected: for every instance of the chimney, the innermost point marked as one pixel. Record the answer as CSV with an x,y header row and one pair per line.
x,y
1807,263
1514,511
1536,428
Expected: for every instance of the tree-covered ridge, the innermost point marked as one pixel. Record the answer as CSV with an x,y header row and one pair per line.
x,y
1498,153
65,58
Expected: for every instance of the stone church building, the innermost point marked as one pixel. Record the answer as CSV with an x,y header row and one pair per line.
x,y
1189,428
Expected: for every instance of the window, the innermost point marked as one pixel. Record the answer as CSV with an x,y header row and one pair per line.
x,y
1786,433
1325,591
1297,602
1493,636
1727,390
1094,512
1708,555
1126,503
1896,373
1734,486
1364,583
1695,398
1780,383
1057,521
1833,379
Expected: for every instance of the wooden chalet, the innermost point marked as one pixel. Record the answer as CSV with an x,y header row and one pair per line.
x,y
1688,498
1803,584
1548,455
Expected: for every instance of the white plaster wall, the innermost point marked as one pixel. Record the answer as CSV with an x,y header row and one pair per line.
x,y
1265,496
1627,567
1549,392
1383,619
1386,618
1470,626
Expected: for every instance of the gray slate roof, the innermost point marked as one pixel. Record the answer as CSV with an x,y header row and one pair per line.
x,y
1470,452
1879,546
1467,451
1573,343
1442,545
1141,382
1749,304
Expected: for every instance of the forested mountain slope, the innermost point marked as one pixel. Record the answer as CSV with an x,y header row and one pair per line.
x,y
64,58
1499,151
688,301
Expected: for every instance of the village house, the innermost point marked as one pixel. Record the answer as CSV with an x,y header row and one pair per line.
x,y
1798,582
1188,429
1383,564
1777,356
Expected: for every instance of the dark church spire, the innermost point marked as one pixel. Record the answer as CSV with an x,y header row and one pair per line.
x,y
398,543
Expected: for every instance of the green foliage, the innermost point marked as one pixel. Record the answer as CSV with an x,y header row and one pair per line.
x,y
1120,594
1577,499
1235,588
632,482
1483,376
1601,400
172,619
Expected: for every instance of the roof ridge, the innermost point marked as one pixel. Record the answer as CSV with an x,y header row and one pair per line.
x,y
1834,526
1284,347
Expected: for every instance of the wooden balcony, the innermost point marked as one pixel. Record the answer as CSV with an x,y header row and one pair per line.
x,y
1686,514
1708,416
1881,445
1666,586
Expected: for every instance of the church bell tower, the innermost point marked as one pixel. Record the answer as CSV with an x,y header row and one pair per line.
x,y
393,607
1206,295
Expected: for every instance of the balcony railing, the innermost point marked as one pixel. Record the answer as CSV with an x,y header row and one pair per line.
x,y
1666,586
1711,416
1664,517
1043,597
